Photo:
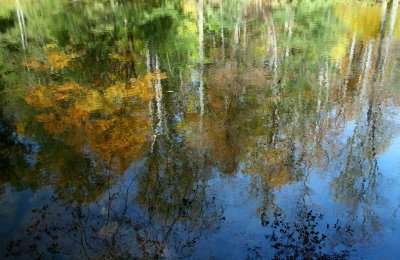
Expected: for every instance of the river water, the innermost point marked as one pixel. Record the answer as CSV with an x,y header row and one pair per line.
x,y
199,129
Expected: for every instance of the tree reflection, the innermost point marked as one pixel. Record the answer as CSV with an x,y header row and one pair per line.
x,y
358,182
123,115
164,218
308,237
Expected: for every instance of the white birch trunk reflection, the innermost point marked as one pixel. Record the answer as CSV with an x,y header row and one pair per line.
x,y
21,22
367,69
201,59
159,99
393,18
349,66
222,31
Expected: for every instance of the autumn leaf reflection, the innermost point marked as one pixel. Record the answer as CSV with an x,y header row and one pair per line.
x,y
54,59
111,121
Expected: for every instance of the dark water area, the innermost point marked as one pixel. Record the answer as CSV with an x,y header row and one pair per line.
x,y
245,129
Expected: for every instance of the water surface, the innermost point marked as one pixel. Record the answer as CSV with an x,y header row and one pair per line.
x,y
203,129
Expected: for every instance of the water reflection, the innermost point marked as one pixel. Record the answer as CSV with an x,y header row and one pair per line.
x,y
177,128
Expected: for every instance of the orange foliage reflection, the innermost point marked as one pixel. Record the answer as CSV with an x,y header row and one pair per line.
x,y
112,122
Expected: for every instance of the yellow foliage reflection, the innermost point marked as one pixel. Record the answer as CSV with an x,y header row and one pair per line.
x,y
54,60
112,122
